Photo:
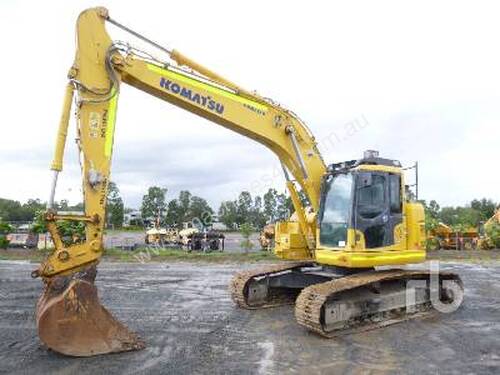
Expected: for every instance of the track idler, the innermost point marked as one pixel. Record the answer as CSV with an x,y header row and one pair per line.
x,y
72,321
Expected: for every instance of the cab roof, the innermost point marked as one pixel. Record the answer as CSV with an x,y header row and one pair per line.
x,y
351,164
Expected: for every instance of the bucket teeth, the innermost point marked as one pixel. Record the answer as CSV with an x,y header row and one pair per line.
x,y
72,321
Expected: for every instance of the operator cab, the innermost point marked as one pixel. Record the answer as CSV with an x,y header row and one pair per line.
x,y
364,197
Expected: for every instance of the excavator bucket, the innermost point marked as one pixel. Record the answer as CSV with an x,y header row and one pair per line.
x,y
72,321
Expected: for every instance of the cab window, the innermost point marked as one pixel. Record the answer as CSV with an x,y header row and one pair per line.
x,y
371,198
395,193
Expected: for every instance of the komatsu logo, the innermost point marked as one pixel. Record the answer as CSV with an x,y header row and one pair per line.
x,y
204,101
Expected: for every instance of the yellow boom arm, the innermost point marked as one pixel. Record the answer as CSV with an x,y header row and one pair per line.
x,y
99,68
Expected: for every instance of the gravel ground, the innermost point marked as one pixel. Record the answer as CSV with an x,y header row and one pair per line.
x,y
190,325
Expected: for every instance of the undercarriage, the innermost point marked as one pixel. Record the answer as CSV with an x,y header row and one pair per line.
x,y
333,301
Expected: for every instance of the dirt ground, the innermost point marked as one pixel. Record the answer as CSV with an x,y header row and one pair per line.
x,y
185,314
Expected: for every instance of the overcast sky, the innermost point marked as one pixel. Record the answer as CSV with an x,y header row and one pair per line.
x,y
420,79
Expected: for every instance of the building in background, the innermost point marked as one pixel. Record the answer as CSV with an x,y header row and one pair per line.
x,y
132,218
218,225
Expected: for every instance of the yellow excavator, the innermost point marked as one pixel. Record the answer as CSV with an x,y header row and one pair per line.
x,y
485,241
357,218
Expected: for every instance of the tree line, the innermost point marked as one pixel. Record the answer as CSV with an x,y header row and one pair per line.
x,y
460,217
11,210
15,211
186,207
245,209
256,210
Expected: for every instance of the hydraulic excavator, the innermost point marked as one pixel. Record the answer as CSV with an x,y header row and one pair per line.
x,y
357,217
486,242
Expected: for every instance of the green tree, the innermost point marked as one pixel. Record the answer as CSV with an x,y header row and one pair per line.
x,y
493,233
486,207
228,213
11,210
284,207
63,205
448,215
430,223
433,209
460,216
114,206
33,206
246,230
39,224
188,207
257,217
431,214
244,207
174,213
270,205
4,230
199,211
468,217
154,204
184,202
71,231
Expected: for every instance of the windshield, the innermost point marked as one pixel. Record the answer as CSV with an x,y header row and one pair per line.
x,y
335,211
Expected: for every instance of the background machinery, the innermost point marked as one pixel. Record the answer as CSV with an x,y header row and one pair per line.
x,y
156,236
185,235
23,236
490,232
206,241
445,237
266,237
190,238
358,218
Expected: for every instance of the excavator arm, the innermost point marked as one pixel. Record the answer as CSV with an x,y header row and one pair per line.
x,y
100,67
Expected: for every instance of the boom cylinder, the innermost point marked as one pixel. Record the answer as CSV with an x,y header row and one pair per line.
x,y
186,61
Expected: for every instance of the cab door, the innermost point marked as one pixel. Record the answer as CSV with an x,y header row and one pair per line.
x,y
396,209
378,207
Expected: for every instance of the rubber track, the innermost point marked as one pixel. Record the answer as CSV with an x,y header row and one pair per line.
x,y
237,286
309,303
